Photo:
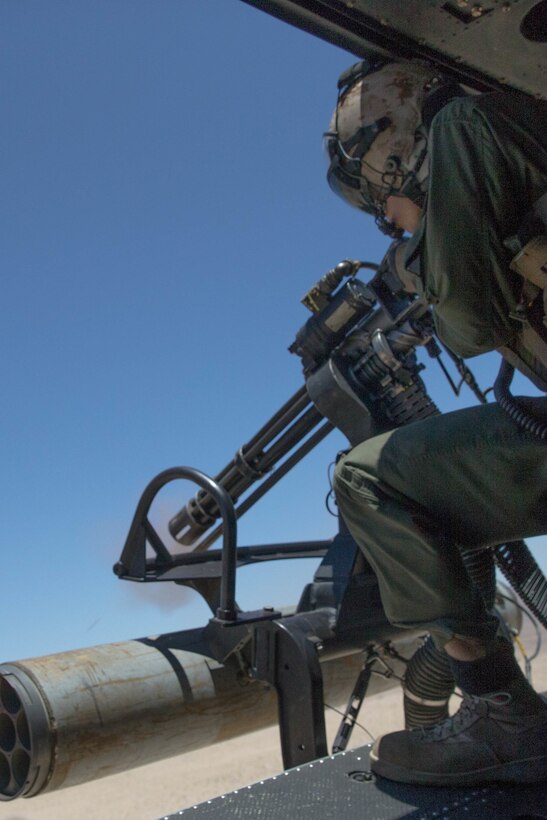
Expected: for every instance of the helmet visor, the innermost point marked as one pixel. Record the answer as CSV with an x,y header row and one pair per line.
x,y
345,178
345,174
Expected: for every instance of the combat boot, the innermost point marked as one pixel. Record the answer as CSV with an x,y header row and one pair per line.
x,y
501,736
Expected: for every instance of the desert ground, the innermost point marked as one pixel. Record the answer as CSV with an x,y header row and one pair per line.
x,y
158,789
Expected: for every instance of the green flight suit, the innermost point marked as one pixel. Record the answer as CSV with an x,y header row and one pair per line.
x,y
470,479
488,165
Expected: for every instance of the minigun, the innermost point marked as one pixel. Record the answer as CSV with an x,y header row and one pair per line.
x,y
75,716
361,376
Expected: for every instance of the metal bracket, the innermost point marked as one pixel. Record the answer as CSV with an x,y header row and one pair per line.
x,y
133,563
285,654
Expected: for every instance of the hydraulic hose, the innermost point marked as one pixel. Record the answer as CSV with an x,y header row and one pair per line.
x,y
429,683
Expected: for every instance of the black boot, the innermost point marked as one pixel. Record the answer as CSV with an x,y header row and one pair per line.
x,y
495,736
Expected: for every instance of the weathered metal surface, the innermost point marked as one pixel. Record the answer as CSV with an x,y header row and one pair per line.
x,y
342,786
493,44
98,711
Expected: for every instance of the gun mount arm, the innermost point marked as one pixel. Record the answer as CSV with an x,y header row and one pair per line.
x,y
212,574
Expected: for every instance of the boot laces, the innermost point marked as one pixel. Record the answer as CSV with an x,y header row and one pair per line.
x,y
466,715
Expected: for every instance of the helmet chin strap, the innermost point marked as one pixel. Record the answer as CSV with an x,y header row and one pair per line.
x,y
396,181
414,184
388,228
411,188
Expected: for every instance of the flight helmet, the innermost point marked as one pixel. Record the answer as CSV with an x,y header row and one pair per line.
x,y
377,138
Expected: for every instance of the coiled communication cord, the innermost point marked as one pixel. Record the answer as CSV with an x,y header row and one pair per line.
x,y
511,405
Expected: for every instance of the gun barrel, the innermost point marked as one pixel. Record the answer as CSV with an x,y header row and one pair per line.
x,y
293,423
76,716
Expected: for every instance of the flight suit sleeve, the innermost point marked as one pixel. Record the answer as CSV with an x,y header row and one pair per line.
x,y
481,184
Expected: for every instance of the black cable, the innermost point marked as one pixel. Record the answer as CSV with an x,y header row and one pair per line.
x,y
511,405
532,621
519,566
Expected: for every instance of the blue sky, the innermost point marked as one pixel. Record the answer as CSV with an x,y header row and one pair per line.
x,y
163,210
